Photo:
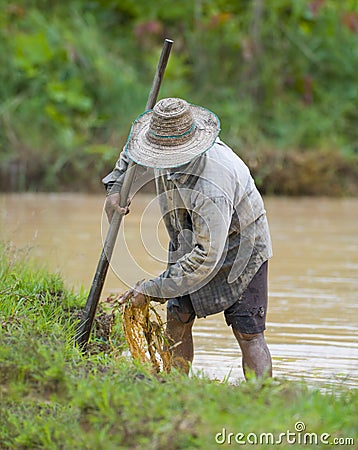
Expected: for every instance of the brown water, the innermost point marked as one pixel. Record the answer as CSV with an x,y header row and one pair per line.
x,y
312,321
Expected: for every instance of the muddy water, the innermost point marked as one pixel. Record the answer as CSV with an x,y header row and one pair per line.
x,y
312,321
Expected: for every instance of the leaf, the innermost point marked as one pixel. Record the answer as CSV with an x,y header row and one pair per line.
x,y
31,50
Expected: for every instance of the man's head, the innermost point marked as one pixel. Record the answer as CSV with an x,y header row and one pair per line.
x,y
172,134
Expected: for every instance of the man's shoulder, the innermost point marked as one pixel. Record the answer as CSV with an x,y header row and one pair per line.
x,y
222,163
221,172
225,156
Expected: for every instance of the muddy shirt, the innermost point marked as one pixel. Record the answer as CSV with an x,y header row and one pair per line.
x,y
216,221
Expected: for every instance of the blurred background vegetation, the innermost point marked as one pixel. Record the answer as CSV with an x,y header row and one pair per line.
x,y
281,74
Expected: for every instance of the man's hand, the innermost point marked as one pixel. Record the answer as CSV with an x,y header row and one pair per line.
x,y
134,297
112,205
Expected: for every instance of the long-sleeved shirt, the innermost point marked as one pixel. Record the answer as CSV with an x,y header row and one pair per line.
x,y
217,225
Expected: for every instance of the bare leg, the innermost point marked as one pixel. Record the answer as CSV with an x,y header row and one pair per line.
x,y
181,339
256,356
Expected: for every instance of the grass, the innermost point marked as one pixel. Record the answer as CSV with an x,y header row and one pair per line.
x,y
54,397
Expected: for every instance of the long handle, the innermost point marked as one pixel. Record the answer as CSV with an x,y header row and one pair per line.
x,y
85,326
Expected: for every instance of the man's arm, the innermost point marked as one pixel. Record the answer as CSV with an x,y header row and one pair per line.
x,y
113,183
114,180
211,220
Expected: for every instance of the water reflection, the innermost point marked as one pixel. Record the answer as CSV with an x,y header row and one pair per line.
x,y
312,321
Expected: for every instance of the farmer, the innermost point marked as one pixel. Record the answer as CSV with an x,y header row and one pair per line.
x,y
216,221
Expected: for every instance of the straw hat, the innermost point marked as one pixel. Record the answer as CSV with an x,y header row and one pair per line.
x,y
171,134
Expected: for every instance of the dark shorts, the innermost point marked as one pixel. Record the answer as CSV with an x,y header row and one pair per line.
x,y
247,315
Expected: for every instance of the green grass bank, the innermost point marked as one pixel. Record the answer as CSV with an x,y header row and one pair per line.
x,y
53,397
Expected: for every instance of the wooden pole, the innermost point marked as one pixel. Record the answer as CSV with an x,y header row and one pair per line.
x,y
85,326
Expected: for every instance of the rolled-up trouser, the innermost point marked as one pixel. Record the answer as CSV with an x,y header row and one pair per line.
x,y
247,315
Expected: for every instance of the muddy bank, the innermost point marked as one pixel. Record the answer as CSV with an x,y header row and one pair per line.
x,y
310,172
277,172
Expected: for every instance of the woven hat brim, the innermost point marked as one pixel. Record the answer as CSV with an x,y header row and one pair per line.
x,y
149,154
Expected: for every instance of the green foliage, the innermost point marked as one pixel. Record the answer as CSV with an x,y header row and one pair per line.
x,y
74,74
52,396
